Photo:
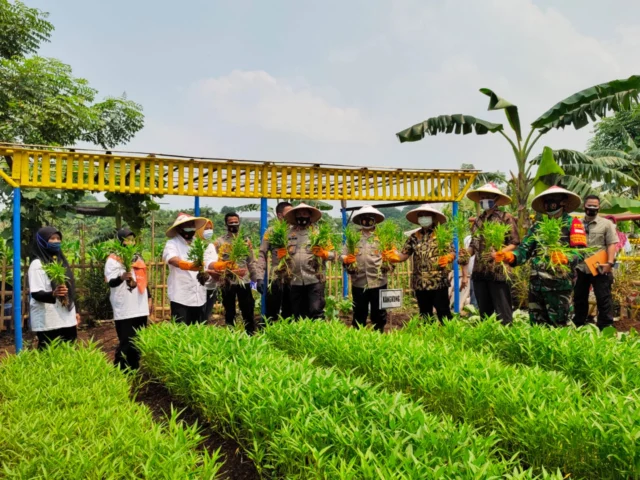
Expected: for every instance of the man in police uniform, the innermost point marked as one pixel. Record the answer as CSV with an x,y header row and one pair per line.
x,y
308,281
279,291
368,274
601,234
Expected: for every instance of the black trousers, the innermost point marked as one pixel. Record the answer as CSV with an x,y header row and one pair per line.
x,y
208,306
307,301
494,297
602,289
278,301
245,302
188,315
127,355
67,334
362,299
428,299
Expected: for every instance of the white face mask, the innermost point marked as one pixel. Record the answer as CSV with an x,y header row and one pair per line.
x,y
487,203
425,221
207,234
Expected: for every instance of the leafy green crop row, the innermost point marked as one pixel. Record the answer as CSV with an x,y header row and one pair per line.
x,y
297,420
540,415
598,360
66,413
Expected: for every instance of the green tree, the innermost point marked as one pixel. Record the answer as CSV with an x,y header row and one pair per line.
x,y
42,103
612,133
577,110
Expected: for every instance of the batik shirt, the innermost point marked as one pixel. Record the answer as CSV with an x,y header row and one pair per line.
x,y
427,274
484,268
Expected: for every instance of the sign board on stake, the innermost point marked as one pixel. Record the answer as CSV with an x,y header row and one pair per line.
x,y
390,298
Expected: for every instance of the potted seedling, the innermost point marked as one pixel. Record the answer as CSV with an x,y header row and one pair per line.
x,y
57,274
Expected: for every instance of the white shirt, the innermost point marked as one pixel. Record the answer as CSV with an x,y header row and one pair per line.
x,y
126,304
467,242
46,316
183,286
210,256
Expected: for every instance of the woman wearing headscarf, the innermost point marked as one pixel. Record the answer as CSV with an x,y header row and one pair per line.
x,y
131,304
52,307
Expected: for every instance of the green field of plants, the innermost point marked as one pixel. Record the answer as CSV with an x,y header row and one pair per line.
x,y
66,413
319,400
298,420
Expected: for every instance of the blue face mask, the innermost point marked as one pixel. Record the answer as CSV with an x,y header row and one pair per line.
x,y
53,246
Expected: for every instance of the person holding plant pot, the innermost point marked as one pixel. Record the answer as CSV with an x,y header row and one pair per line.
x,y
430,276
278,298
187,295
307,263
130,300
490,284
365,266
235,275
552,271
52,304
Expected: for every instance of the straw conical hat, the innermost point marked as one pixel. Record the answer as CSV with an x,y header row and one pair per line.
x,y
367,210
182,219
290,217
572,203
490,188
412,215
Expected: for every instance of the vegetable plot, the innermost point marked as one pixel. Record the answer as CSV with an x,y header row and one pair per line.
x,y
300,421
542,416
601,361
66,413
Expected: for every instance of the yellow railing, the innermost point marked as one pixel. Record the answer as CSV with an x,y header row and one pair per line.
x,y
163,175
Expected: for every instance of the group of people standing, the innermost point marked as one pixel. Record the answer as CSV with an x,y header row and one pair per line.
x,y
554,283
301,293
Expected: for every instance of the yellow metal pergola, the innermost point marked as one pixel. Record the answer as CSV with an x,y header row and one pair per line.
x,y
156,174
169,175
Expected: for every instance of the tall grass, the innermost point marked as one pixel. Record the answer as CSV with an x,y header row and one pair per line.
x,y
300,421
66,414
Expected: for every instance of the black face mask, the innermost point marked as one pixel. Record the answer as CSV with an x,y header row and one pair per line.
x,y
368,222
187,235
302,221
552,206
591,211
233,228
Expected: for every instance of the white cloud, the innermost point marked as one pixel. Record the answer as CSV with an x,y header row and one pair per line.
x,y
257,99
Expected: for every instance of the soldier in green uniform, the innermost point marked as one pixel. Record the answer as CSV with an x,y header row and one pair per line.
x,y
549,291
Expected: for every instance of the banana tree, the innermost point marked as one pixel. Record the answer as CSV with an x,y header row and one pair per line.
x,y
577,110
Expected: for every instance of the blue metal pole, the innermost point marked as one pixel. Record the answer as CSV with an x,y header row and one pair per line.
x,y
17,272
345,277
263,228
456,267
196,206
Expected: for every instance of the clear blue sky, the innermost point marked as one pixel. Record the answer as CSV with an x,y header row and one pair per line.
x,y
334,81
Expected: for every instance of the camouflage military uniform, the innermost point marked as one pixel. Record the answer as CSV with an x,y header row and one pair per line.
x,y
549,292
